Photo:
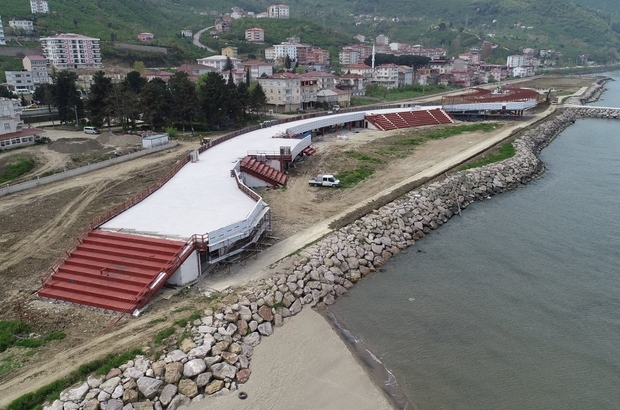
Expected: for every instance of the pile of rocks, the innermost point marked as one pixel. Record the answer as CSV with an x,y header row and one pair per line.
x,y
592,93
594,112
215,360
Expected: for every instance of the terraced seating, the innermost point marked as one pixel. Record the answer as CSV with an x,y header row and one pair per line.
x,y
262,171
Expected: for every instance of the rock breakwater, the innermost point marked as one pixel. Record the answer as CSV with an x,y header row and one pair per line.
x,y
215,359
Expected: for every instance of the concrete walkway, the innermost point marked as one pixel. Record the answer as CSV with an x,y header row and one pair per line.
x,y
260,267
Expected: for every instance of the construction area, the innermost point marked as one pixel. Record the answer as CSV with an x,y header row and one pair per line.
x,y
38,224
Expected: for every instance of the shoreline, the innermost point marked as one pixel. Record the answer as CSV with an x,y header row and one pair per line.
x,y
326,270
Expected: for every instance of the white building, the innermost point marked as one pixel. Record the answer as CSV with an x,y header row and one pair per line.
x,y
217,62
37,65
349,55
270,53
11,133
515,61
21,81
187,33
257,69
382,39
2,42
386,75
278,11
24,25
285,49
72,51
39,6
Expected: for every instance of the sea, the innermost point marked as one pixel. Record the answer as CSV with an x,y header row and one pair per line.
x,y
513,305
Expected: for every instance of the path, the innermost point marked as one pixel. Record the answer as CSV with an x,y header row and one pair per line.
x,y
197,42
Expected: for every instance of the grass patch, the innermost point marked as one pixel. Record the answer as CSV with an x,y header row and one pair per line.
x,y
357,101
162,334
506,151
460,129
353,177
184,335
363,157
8,364
158,320
10,330
52,391
34,343
18,166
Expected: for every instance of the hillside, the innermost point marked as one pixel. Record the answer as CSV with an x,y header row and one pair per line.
x,y
562,25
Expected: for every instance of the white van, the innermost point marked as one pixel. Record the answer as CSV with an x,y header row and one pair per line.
x,y
91,130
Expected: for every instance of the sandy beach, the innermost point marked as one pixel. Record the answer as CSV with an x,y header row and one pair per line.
x,y
304,365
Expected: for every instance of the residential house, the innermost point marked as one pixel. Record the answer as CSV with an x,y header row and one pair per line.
x,y
355,84
382,40
386,75
255,35
328,98
146,37
39,7
37,65
278,11
282,90
217,62
317,56
72,51
360,38
361,69
309,89
288,49
326,81
257,69
20,81
196,70
344,98
515,61
11,133
162,75
405,75
262,15
231,52
221,26
270,53
23,25
187,33
439,66
349,55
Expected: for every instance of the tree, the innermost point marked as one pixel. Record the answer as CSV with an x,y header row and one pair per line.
x,y
134,82
211,90
232,104
5,93
184,98
258,99
66,95
44,94
229,65
123,104
288,63
242,94
155,100
139,67
97,99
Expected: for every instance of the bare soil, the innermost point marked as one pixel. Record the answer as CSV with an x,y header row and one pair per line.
x,y
38,224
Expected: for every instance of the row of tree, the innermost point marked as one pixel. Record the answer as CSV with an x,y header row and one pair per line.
x,y
213,100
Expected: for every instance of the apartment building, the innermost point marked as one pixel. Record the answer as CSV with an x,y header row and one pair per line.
x,y
360,69
283,91
218,62
37,65
257,69
278,11
72,51
2,41
255,35
325,81
23,25
11,133
39,7
386,75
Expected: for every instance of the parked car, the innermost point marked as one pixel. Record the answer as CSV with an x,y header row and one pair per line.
x,y
91,130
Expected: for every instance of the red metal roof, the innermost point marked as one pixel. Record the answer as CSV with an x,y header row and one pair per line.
x,y
23,133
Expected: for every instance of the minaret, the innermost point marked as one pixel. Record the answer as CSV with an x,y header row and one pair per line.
x,y
373,57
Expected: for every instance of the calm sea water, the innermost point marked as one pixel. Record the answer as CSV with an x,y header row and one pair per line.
x,y
516,305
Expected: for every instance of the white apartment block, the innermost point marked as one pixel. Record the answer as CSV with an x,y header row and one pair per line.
x,y
286,49
278,11
2,41
11,133
72,51
387,75
25,25
39,6
515,61
257,69
270,54
349,56
37,65
255,35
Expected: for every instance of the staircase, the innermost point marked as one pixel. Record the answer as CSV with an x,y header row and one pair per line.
x,y
115,271
262,171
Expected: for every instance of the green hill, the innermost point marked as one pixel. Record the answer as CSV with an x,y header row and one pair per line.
x,y
585,28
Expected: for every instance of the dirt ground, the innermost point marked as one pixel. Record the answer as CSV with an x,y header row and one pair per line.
x,y
38,224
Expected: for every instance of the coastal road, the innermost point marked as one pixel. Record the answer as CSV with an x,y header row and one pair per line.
x,y
259,268
197,42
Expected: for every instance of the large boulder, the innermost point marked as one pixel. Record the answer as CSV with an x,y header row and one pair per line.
x,y
214,386
75,393
149,387
222,371
194,367
188,388
167,394
174,372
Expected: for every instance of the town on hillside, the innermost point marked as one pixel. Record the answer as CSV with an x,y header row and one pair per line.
x,y
289,77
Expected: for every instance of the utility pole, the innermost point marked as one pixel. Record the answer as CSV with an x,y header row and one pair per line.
x,y
77,122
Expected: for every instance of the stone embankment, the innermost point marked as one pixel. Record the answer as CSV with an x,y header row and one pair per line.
x,y
216,358
592,93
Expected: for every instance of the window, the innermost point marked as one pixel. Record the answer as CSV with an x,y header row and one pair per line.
x,y
7,126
